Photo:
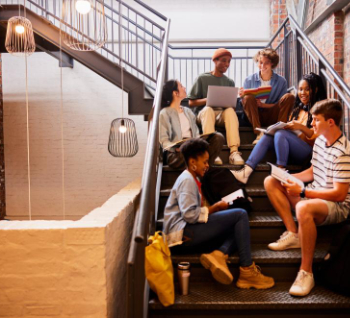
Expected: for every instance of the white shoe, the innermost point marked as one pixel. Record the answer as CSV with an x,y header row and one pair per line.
x,y
286,241
258,137
243,174
302,284
236,159
218,161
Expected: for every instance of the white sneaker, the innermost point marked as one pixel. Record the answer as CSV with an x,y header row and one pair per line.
x,y
286,241
258,137
302,284
218,161
236,159
243,174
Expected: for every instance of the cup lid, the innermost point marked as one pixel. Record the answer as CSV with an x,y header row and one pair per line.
x,y
183,265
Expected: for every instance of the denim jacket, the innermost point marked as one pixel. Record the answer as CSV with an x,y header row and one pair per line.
x,y
170,127
278,84
183,206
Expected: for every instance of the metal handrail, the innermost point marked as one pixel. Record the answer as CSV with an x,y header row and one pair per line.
x,y
152,10
137,286
152,148
320,57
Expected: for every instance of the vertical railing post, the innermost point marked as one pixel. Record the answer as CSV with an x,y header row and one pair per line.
x,y
298,57
286,57
320,67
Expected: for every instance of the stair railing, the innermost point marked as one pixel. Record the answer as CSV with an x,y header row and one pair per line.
x,y
142,37
144,219
298,56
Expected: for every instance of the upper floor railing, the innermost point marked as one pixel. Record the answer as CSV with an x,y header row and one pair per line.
x,y
141,44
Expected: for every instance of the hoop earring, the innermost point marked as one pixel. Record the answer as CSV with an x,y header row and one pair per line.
x,y
193,168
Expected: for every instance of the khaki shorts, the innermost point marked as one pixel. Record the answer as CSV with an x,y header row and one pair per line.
x,y
337,212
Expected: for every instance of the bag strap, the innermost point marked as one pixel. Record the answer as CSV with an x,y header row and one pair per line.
x,y
161,238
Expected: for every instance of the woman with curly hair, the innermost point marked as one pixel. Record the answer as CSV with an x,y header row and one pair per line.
x,y
285,142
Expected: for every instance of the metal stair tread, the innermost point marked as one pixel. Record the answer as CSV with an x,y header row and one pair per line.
x,y
214,296
258,219
259,167
262,255
253,191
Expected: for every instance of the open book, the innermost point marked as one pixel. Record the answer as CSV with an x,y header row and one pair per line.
x,y
180,142
283,175
271,130
259,93
233,196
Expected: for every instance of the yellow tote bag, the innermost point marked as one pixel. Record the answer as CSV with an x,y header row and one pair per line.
x,y
159,268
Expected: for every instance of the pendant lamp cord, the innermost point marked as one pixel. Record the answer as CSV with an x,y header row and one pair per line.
x,y
120,53
28,148
27,113
62,133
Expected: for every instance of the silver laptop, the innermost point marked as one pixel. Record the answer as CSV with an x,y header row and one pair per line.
x,y
222,96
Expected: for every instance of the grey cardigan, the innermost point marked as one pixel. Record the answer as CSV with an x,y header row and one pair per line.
x,y
183,206
170,127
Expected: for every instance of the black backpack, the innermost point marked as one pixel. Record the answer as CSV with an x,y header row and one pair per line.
x,y
220,182
334,271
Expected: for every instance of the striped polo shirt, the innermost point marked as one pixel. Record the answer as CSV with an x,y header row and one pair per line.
x,y
331,164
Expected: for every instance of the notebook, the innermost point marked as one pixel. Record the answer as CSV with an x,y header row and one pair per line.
x,y
222,96
259,93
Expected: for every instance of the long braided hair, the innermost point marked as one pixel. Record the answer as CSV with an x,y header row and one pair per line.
x,y
317,93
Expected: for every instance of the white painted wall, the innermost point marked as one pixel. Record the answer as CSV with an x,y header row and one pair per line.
x,y
90,103
214,21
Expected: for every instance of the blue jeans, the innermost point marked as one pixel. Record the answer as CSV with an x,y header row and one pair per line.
x,y
285,143
230,226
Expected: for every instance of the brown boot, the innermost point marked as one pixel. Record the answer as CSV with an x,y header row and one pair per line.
x,y
216,262
251,277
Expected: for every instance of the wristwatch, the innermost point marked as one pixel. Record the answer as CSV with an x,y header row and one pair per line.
x,y
302,193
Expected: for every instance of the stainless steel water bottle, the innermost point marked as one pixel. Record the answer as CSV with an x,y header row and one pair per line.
x,y
183,271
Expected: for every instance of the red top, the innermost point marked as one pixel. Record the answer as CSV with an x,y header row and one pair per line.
x,y
199,185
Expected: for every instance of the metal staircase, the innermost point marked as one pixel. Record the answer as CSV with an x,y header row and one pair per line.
x,y
149,60
208,298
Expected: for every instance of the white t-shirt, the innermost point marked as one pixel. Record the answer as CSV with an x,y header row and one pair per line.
x,y
264,84
331,163
185,126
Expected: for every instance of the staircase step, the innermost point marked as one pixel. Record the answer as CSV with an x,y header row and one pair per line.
x,y
262,255
262,170
260,201
246,149
208,299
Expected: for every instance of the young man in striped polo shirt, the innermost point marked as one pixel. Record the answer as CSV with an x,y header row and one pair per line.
x,y
325,200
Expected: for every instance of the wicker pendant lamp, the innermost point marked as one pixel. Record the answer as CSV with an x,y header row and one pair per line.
x,y
19,35
84,24
122,137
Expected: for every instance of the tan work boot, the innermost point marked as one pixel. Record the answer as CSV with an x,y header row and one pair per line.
x,y
251,277
216,262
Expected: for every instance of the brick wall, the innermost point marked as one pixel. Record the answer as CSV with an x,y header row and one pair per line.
x,y
2,158
329,38
68,269
332,36
278,13
347,45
